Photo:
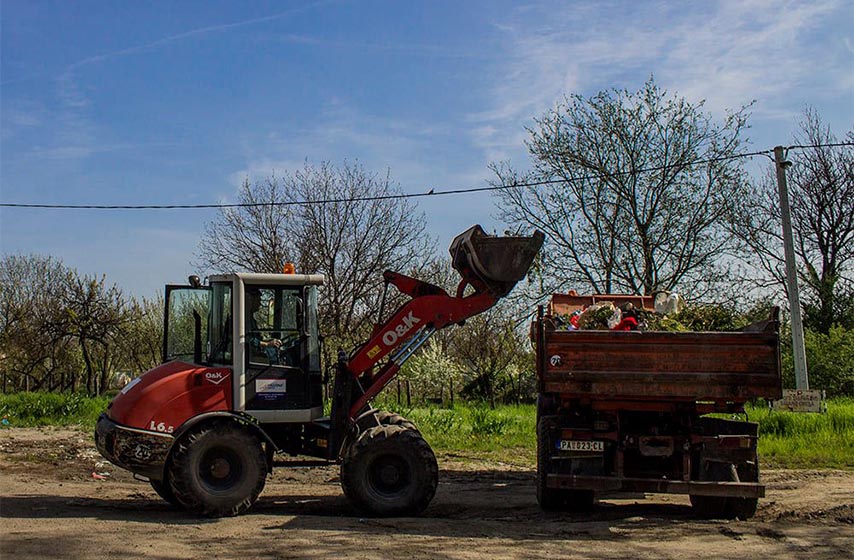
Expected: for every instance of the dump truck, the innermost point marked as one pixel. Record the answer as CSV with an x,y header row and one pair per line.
x,y
631,411
240,389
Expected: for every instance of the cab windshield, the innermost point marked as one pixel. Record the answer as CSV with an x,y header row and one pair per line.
x,y
273,325
186,310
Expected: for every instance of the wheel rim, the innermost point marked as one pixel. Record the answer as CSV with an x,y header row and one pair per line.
x,y
220,469
389,475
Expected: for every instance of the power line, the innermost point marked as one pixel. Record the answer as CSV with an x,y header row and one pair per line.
x,y
430,193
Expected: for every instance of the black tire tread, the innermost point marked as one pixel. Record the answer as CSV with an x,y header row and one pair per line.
x,y
386,418
556,499
181,477
393,438
164,490
549,499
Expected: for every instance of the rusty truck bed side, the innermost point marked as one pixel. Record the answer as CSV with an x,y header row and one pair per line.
x,y
683,366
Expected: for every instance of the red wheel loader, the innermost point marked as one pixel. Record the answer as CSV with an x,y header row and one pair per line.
x,y
241,386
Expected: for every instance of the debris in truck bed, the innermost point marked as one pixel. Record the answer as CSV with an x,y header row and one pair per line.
x,y
604,315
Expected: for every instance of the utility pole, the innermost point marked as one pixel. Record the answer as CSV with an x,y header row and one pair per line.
x,y
800,357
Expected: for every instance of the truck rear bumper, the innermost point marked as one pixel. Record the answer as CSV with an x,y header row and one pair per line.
x,y
139,451
616,484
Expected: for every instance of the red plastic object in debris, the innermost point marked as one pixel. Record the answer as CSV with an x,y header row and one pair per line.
x,y
627,324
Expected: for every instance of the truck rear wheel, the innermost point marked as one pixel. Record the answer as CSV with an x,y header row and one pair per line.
x,y
390,470
711,507
556,499
218,470
550,499
745,508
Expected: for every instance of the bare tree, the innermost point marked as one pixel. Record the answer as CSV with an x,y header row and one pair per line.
x,y
94,316
31,298
254,236
343,222
821,192
643,180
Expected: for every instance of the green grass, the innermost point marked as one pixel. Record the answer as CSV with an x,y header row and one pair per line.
x,y
794,440
506,434
468,431
51,409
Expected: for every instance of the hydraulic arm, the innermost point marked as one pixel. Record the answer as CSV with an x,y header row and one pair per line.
x,y
490,265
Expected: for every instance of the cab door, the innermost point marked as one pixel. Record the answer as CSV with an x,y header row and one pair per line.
x,y
275,367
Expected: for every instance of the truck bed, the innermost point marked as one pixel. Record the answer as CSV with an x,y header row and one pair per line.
x,y
661,366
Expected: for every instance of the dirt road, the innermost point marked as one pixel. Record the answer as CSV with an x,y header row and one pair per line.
x,y
51,507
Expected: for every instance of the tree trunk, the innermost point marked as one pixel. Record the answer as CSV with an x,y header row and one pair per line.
x,y
88,361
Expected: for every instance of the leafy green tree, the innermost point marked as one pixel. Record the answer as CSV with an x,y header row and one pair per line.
x,y
830,361
140,341
491,351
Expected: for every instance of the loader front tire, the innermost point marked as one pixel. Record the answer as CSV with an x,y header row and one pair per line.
x,y
394,419
390,471
218,470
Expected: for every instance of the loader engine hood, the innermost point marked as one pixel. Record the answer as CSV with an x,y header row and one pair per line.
x,y
163,398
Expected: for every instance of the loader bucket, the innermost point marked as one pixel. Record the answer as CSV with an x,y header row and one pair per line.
x,y
493,263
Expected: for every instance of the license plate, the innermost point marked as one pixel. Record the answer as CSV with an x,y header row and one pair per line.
x,y
576,445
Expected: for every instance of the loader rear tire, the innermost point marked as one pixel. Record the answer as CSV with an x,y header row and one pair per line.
x,y
390,471
164,490
218,470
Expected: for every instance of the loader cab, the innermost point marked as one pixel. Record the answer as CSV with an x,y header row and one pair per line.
x,y
257,332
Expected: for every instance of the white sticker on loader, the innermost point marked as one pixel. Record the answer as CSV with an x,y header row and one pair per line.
x,y
270,386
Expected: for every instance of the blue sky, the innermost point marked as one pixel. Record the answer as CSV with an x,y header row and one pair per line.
x,y
177,102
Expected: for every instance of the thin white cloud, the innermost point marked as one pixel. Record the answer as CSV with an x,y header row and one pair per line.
x,y
76,132
193,33
406,146
728,53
